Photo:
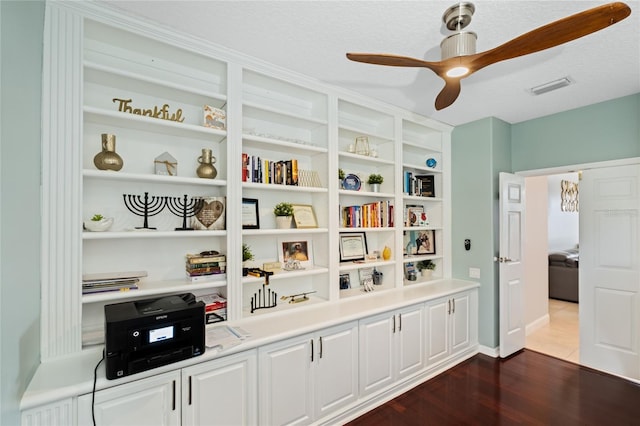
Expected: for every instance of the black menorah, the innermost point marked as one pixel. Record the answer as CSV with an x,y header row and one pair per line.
x,y
144,206
181,207
264,298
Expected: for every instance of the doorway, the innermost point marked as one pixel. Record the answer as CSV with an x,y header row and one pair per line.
x,y
552,291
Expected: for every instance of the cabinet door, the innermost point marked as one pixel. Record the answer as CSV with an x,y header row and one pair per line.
x,y
336,368
461,326
285,382
409,340
376,352
221,392
437,330
153,401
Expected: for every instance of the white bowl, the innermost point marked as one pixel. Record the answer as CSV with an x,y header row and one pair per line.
x,y
98,225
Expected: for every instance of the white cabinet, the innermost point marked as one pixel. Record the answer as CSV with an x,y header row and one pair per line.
x,y
222,391
154,401
451,326
307,377
391,347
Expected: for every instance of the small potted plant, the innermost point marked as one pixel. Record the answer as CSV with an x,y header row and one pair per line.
x,y
341,176
284,213
247,255
426,268
375,180
98,223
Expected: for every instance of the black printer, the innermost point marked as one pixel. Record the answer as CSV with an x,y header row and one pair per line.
x,y
144,334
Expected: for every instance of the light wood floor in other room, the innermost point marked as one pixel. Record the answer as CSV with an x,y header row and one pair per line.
x,y
561,337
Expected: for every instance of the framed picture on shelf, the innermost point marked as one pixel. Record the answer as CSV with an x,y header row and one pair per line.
x,y
366,276
426,242
250,216
304,216
295,254
353,246
414,214
345,282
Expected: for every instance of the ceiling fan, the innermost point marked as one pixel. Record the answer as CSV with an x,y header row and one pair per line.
x,y
459,59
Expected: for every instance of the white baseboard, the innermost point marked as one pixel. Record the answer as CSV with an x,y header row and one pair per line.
x,y
537,324
492,352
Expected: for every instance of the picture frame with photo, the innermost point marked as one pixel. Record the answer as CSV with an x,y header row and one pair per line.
x,y
295,253
304,216
250,215
353,246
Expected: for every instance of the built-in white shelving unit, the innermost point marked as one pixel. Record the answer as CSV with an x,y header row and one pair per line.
x,y
272,116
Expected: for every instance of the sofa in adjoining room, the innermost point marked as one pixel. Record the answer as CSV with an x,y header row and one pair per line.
x,y
563,275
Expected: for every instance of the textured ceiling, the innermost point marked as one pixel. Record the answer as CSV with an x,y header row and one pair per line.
x,y
312,37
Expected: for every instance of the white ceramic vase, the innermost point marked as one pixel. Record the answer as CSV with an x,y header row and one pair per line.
x,y
283,222
426,273
98,225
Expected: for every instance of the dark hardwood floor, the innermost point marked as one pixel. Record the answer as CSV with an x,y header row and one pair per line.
x,y
528,388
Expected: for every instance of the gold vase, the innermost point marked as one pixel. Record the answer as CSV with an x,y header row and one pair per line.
x,y
206,169
108,158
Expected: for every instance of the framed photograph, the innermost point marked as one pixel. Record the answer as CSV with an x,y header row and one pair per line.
x,y
366,276
426,242
295,254
353,246
250,217
345,281
304,216
414,213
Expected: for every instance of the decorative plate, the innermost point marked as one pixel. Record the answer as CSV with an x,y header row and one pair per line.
x,y
431,162
352,182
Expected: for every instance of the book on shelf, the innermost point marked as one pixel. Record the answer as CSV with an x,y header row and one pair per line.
x,y
206,271
200,259
206,278
425,186
261,170
378,214
114,285
101,276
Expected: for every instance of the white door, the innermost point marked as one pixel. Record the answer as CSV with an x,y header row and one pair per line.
x,y
438,316
512,203
221,392
610,270
336,368
460,322
154,401
409,340
376,352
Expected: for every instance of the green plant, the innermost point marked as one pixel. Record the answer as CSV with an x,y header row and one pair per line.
x,y
375,178
340,174
246,252
426,264
283,209
97,217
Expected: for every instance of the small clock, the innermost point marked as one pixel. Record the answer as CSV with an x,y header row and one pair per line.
x,y
431,162
352,182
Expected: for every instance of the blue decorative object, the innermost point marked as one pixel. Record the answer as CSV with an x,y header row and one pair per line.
x,y
352,182
431,162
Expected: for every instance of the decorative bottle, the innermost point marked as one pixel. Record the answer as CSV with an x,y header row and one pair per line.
x,y
206,169
108,158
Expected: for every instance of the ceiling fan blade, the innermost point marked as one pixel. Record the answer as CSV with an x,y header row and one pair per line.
x,y
553,34
448,94
395,61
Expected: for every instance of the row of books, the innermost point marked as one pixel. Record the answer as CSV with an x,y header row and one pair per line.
x,y
116,281
378,214
422,185
209,267
260,170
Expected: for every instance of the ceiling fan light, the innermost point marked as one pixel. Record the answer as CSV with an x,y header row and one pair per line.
x,y
458,44
457,72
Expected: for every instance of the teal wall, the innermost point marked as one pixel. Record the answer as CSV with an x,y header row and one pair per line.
x,y
481,149
604,131
21,35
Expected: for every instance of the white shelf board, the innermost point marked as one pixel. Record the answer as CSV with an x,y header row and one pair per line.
x,y
296,148
139,177
352,266
288,231
138,233
277,187
152,288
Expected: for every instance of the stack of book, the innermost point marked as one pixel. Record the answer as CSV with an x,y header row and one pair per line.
x,y
260,170
111,281
202,268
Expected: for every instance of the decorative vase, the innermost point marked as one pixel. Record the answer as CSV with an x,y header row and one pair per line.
x,y
375,187
426,273
98,225
108,158
386,253
206,169
283,222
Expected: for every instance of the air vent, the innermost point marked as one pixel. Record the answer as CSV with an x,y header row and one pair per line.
x,y
550,86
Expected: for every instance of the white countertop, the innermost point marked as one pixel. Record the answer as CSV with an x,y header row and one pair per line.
x,y
73,375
